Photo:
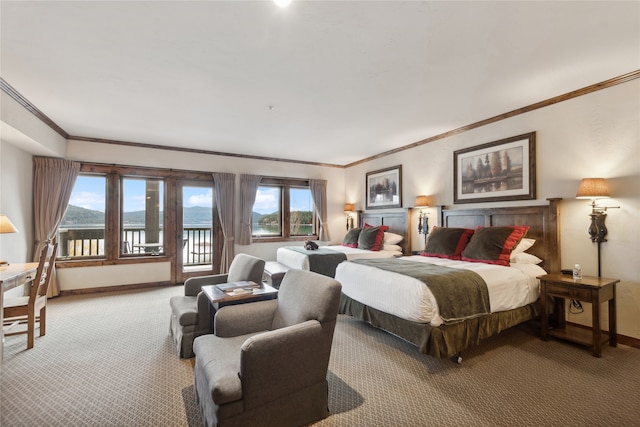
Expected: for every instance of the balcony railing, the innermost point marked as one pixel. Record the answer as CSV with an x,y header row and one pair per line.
x,y
89,242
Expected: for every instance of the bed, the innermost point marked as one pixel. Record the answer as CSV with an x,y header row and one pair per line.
x,y
325,259
407,308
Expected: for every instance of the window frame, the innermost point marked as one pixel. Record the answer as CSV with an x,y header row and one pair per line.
x,y
285,185
113,230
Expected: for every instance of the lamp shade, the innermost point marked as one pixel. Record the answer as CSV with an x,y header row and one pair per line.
x,y
6,226
593,188
349,207
422,201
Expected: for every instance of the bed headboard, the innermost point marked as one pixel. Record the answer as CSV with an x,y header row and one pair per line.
x,y
543,222
397,221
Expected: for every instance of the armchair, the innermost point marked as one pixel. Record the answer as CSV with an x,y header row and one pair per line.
x,y
190,315
266,363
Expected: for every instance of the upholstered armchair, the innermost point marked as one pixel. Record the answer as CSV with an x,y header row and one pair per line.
x,y
191,315
267,362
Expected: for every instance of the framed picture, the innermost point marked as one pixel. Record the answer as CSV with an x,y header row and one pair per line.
x,y
384,188
496,171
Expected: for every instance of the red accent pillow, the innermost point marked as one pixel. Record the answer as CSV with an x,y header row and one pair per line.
x,y
447,242
493,245
371,237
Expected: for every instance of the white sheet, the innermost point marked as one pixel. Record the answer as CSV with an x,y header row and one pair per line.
x,y
410,299
295,259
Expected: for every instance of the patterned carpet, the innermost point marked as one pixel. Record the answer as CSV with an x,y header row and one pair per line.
x,y
108,360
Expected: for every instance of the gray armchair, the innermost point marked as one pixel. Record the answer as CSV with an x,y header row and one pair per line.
x,y
190,315
267,362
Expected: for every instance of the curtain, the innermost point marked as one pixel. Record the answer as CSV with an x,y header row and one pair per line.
x,y
319,194
224,185
53,181
248,189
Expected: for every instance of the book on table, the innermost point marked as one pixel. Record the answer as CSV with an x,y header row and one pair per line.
x,y
233,286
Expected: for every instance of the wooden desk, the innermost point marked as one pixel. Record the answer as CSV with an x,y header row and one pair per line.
x,y
12,276
594,290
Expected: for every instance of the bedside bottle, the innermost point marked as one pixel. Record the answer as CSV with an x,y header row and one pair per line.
x,y
577,272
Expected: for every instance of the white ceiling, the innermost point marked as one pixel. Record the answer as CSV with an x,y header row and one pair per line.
x,y
321,81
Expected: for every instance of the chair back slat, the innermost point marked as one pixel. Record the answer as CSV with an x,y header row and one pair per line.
x,y
40,283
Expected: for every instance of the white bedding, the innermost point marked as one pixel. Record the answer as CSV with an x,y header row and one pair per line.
x,y
294,259
410,299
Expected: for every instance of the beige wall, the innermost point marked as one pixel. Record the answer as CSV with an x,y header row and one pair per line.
x,y
596,135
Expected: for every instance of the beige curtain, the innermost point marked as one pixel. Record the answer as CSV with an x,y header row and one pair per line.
x,y
224,185
248,189
319,194
53,181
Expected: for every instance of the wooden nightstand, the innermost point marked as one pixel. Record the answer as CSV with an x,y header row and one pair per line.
x,y
594,290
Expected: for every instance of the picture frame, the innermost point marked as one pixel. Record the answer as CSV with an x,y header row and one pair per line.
x,y
384,188
496,171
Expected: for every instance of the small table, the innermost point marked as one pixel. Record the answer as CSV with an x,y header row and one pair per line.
x,y
219,299
594,290
12,276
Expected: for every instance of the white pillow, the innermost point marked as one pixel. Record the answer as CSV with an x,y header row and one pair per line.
x,y
392,238
523,245
524,258
392,248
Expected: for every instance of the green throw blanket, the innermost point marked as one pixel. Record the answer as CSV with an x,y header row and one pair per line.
x,y
323,261
460,294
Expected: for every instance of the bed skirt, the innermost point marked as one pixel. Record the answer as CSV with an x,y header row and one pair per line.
x,y
445,340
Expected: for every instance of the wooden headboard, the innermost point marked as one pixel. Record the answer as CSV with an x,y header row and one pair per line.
x,y
543,222
399,222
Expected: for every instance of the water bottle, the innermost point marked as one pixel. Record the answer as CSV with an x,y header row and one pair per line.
x,y
577,272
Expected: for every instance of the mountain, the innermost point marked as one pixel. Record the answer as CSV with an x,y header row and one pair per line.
x,y
76,216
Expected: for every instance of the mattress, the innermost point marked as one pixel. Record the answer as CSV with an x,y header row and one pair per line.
x,y
300,261
410,299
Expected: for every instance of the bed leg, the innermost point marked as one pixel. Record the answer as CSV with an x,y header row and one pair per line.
x,y
457,358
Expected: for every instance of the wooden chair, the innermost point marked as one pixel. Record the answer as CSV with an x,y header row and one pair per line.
x,y
23,309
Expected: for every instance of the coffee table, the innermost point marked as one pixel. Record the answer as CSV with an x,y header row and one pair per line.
x,y
219,299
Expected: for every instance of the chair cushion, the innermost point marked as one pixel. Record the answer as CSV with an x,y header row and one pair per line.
x,y
185,309
218,361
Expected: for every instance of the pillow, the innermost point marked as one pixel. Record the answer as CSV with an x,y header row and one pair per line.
x,y
391,248
523,246
351,238
392,238
445,242
371,237
493,245
524,258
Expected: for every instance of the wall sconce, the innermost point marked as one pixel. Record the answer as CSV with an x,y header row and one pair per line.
x,y
423,220
596,188
348,208
6,226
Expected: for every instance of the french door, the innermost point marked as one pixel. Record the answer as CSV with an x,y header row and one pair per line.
x,y
198,235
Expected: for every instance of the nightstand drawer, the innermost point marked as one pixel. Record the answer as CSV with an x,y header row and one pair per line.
x,y
568,292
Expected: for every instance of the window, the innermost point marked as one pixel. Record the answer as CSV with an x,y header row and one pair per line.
x,y
283,209
142,215
127,215
82,231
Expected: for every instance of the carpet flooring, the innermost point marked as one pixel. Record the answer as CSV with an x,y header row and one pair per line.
x,y
108,360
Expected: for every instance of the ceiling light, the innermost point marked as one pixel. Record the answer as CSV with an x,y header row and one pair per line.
x,y
282,3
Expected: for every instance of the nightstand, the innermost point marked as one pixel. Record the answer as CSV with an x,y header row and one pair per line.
x,y
594,290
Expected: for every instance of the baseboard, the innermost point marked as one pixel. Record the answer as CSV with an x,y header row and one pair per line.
x,y
116,288
622,339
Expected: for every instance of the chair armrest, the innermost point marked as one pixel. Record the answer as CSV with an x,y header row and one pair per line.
x,y
241,319
279,362
193,285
